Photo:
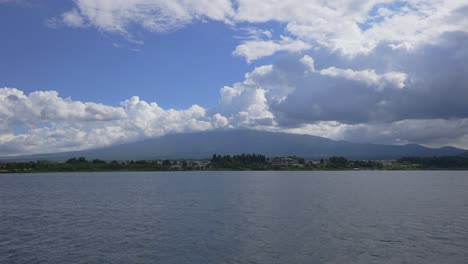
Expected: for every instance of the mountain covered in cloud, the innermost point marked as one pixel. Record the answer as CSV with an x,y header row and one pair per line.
x,y
369,71
200,145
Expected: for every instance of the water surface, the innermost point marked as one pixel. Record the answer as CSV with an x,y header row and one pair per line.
x,y
235,217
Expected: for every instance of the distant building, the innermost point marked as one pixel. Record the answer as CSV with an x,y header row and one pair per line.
x,y
201,163
387,162
284,162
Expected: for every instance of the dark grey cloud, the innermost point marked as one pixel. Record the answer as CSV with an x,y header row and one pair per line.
x,y
431,132
436,86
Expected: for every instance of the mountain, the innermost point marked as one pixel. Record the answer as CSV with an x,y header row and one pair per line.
x,y
203,144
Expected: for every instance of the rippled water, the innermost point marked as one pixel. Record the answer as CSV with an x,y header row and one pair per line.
x,y
235,217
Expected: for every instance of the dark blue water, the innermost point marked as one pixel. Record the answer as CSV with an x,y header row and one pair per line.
x,y
235,217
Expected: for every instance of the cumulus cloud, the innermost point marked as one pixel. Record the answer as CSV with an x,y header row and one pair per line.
x,y
17,108
244,103
45,122
387,90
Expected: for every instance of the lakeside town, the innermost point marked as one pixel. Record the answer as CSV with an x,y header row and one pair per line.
x,y
238,162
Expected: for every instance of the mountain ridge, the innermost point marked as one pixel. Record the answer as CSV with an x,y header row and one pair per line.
x,y
201,145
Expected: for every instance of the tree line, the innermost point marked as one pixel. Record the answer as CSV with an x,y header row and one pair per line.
x,y
236,162
242,161
448,162
78,164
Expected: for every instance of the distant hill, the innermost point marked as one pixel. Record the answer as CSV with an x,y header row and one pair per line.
x,y
203,144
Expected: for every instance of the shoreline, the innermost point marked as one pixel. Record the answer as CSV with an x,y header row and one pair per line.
x,y
229,170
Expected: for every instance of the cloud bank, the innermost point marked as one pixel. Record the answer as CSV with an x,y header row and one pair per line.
x,y
361,100
379,71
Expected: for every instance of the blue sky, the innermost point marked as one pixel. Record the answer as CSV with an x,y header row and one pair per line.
x,y
89,73
177,68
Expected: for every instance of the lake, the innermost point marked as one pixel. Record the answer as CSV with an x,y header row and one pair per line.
x,y
235,217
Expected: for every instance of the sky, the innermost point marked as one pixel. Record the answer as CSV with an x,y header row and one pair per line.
x,y
91,73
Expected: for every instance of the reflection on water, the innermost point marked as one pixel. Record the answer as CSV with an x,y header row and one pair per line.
x,y
235,217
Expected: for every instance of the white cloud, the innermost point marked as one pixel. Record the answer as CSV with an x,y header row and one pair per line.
x,y
44,122
18,2
17,108
309,62
246,103
73,19
369,77
428,132
253,33
150,120
352,27
153,15
253,50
